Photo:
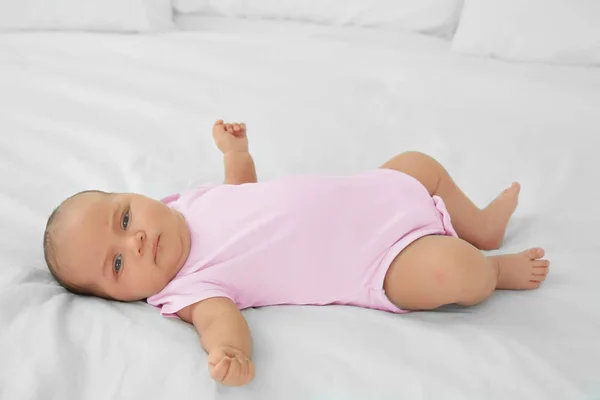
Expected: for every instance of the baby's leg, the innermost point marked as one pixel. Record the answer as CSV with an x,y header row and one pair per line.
x,y
482,228
438,270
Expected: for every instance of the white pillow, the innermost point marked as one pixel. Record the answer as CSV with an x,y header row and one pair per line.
x,y
88,15
438,17
553,31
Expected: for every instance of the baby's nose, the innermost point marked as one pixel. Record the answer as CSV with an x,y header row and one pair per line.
x,y
137,242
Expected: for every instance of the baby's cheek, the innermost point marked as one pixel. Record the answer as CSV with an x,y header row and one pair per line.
x,y
156,281
137,284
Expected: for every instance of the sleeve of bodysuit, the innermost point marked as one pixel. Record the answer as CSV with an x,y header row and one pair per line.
x,y
185,291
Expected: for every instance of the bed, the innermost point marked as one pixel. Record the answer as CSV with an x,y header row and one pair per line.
x,y
115,112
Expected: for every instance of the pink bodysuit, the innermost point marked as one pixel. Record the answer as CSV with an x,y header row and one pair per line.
x,y
300,240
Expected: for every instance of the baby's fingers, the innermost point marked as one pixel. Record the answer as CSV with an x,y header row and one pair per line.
x,y
244,365
219,372
250,370
234,376
246,369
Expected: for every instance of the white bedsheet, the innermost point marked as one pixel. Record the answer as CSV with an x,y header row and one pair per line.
x,y
133,113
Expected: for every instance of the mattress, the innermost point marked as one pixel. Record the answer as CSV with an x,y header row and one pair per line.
x,y
134,112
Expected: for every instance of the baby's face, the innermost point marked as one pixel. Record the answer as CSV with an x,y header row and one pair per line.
x,y
127,245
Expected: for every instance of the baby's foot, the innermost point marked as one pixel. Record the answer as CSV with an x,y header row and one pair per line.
x,y
524,270
496,216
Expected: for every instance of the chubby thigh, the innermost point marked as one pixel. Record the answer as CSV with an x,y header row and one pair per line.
x,y
437,270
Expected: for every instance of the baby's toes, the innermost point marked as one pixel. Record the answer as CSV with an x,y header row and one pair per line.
x,y
540,270
533,284
539,277
514,189
535,253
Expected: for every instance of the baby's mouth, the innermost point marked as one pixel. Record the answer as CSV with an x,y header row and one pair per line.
x,y
155,248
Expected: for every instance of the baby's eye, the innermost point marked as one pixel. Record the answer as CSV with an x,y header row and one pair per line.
x,y
118,263
125,221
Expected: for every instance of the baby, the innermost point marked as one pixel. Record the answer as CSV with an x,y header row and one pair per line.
x,y
382,239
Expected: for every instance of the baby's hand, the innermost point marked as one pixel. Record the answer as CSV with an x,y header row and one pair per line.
x,y
230,137
230,366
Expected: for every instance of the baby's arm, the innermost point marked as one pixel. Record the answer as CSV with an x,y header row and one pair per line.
x,y
239,168
225,336
231,139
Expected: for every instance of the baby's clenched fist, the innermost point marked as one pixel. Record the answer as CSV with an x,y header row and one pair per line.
x,y
230,137
230,366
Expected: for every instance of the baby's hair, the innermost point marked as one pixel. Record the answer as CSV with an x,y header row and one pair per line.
x,y
50,249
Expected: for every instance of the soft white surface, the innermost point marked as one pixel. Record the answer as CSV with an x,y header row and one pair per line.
x,y
87,15
133,113
555,31
438,17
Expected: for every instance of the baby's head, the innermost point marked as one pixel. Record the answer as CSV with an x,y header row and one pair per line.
x,y
119,246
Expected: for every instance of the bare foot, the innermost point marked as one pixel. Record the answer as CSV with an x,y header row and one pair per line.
x,y
524,270
496,216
